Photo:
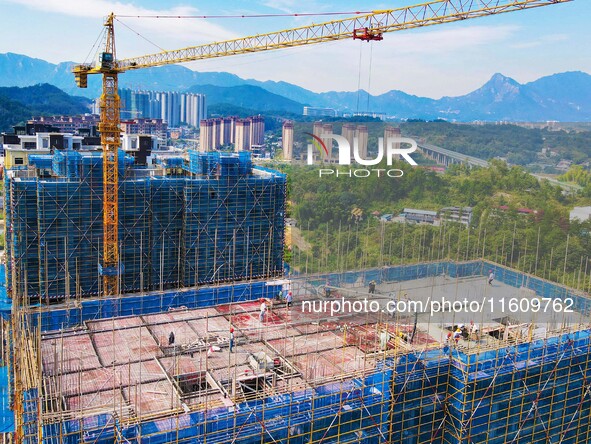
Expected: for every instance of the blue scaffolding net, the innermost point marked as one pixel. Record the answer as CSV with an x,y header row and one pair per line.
x,y
223,223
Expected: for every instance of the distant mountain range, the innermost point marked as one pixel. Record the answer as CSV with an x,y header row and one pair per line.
x,y
19,104
563,97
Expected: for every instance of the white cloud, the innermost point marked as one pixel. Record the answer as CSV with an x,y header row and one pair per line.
x,y
286,6
448,41
542,40
164,32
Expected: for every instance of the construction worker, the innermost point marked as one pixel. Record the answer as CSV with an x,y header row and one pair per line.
x,y
289,299
448,338
384,338
491,277
171,338
464,330
372,287
263,311
474,331
231,339
457,334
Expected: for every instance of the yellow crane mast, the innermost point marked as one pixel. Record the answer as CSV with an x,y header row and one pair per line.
x,y
366,27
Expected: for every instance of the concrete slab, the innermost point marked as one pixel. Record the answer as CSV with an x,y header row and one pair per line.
x,y
71,353
122,346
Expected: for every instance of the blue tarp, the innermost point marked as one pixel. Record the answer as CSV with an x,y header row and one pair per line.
x,y
6,414
5,302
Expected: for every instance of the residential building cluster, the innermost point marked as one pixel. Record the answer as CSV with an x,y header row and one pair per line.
x,y
87,125
244,134
463,215
156,127
80,124
314,111
172,107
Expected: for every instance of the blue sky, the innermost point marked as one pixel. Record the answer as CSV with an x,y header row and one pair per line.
x,y
450,59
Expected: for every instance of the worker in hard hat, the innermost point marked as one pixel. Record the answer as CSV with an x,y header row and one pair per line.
x,y
457,334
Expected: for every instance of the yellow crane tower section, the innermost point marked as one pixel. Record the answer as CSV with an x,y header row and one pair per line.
x,y
366,27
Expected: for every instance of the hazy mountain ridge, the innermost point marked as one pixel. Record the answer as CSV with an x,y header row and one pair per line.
x,y
247,96
563,97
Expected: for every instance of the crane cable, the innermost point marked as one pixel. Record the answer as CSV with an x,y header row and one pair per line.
x,y
301,14
359,77
95,45
357,110
369,75
140,35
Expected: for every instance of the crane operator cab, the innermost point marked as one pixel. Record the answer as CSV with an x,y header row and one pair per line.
x,y
106,60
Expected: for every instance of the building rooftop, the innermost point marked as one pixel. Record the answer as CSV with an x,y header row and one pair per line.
x,y
423,212
128,361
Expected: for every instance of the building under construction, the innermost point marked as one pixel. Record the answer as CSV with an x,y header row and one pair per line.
x,y
209,219
105,370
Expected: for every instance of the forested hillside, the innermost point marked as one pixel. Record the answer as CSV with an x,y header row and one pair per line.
x,y
535,242
17,105
519,145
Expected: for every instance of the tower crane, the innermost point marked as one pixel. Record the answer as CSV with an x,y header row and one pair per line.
x,y
365,27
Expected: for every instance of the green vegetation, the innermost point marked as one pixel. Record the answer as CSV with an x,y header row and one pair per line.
x,y
580,176
535,243
519,145
12,113
20,104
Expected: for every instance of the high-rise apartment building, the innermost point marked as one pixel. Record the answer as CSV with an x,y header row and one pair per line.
x,y
227,131
206,135
348,132
173,107
242,142
327,139
257,130
287,140
362,136
242,133
391,132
